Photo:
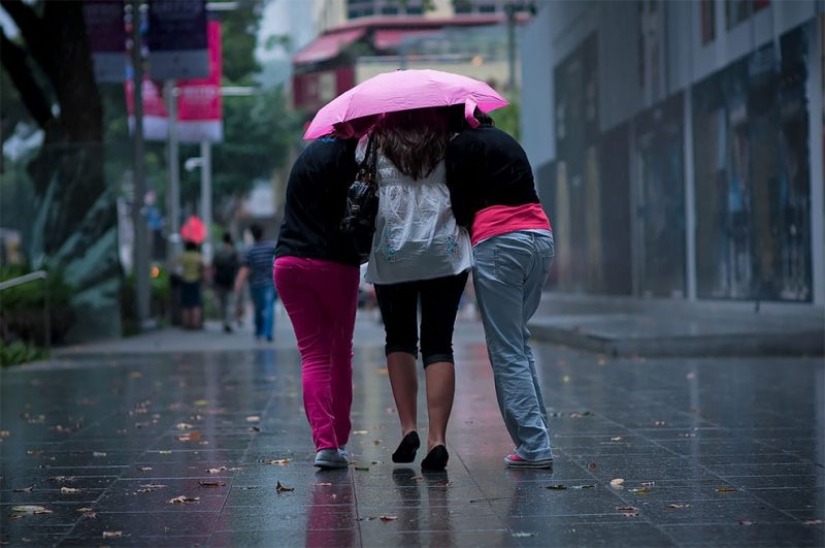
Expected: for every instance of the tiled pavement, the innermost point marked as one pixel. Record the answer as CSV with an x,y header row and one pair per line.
x,y
712,451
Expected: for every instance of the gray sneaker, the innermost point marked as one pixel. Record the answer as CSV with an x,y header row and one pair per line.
x,y
330,458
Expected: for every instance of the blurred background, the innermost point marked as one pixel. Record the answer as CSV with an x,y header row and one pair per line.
x,y
677,144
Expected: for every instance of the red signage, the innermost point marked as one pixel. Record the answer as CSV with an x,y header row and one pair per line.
x,y
200,113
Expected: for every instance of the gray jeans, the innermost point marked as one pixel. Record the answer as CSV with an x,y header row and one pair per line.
x,y
509,274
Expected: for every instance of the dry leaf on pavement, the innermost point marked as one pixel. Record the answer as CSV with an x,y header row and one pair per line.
x,y
211,483
388,518
616,483
183,499
112,534
68,490
24,489
28,509
280,488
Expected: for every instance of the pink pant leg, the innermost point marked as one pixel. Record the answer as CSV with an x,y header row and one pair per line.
x,y
321,299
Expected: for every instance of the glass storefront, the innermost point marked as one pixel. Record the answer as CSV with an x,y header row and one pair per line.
x,y
577,222
750,134
661,208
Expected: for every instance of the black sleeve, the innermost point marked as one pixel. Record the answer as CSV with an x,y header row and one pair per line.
x,y
460,174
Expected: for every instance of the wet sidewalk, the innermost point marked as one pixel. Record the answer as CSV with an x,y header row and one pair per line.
x,y
624,326
183,438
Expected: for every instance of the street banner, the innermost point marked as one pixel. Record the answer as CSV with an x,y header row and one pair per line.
x,y
200,114
178,40
107,38
199,104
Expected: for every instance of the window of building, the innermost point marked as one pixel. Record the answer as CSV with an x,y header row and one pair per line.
x,y
707,14
737,11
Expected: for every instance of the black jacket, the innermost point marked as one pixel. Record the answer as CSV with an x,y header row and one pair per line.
x,y
486,167
315,202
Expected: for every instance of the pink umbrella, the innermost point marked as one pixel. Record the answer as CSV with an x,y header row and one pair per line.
x,y
405,90
193,230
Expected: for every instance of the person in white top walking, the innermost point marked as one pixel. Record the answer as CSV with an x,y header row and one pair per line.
x,y
419,256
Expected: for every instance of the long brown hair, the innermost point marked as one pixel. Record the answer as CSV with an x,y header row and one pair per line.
x,y
415,140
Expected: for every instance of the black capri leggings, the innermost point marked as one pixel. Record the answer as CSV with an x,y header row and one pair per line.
x,y
439,298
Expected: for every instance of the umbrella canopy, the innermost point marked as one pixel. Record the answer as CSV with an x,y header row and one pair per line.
x,y
193,230
405,90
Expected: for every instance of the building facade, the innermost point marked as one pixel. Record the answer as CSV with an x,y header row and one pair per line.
x,y
359,39
678,146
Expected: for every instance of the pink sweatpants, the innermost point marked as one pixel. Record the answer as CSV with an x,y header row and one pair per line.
x,y
321,299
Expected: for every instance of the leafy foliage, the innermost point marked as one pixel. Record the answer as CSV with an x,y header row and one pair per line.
x,y
18,352
21,307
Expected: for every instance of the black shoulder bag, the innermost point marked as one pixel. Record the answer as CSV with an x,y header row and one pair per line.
x,y
362,204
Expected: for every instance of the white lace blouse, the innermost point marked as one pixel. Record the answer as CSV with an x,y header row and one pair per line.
x,y
416,236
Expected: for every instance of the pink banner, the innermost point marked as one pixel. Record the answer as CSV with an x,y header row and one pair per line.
x,y
200,113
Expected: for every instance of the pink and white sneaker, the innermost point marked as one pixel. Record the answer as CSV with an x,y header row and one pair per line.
x,y
515,461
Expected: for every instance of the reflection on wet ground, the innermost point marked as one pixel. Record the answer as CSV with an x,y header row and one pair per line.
x,y
189,449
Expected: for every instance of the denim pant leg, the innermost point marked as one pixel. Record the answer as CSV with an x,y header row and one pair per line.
x,y
503,276
268,312
544,251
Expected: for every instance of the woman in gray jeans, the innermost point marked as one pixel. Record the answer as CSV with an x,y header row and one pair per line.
x,y
492,191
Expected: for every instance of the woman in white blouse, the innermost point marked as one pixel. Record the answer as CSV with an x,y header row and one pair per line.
x,y
420,257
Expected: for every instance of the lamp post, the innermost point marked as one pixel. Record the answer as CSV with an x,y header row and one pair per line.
x,y
205,163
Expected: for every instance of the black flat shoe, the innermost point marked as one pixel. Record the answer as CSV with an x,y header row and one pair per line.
x,y
407,448
436,460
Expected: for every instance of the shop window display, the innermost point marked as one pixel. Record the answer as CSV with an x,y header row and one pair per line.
x,y
752,180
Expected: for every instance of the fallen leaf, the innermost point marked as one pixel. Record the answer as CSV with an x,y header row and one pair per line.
x,y
659,423
24,489
726,489
745,522
85,509
648,483
558,487
211,483
616,438
4,433
98,454
388,518
616,482
641,490
677,506
34,452
360,432
253,418
523,535
90,515
254,428
362,468
279,462
190,436
27,509
200,403
592,465
183,499
628,511
215,470
148,488
184,426
112,534
322,484
144,468
814,522
376,442
68,490
164,452
581,487
281,489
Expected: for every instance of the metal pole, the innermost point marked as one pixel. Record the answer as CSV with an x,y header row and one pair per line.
x,y
173,198
47,320
511,46
140,248
206,196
